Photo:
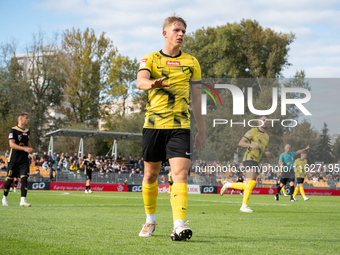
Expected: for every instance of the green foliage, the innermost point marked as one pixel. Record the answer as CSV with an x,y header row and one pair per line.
x,y
122,78
336,150
239,50
323,150
86,63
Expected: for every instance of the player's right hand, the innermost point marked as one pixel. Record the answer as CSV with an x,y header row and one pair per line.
x,y
29,150
159,83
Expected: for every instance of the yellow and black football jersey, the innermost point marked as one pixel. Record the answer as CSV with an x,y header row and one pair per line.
x,y
89,164
255,136
21,137
168,108
300,168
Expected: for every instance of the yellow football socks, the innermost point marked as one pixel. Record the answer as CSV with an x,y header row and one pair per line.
x,y
283,191
302,191
247,191
296,191
179,200
238,185
150,193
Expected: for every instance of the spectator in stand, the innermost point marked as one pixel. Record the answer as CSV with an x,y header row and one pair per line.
x,y
61,162
115,167
163,179
141,174
7,154
123,168
44,157
45,165
57,159
130,160
120,177
119,158
49,157
54,158
126,181
101,171
67,160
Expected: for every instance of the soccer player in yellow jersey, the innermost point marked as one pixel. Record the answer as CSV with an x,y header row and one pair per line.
x,y
169,75
256,141
300,174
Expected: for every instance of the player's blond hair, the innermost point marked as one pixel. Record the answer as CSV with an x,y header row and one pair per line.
x,y
174,18
22,114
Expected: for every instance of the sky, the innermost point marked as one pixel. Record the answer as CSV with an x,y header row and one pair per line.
x,y
135,26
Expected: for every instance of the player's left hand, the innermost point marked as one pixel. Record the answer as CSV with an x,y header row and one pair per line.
x,y
307,147
267,153
200,140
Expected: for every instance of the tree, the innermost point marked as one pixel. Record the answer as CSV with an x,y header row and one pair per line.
x,y
336,149
86,63
122,78
323,149
33,81
239,50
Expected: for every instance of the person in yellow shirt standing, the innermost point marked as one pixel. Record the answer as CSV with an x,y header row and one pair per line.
x,y
300,174
169,75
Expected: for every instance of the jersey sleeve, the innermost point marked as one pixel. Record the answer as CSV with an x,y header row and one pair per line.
x,y
11,134
146,63
196,74
293,154
249,135
281,158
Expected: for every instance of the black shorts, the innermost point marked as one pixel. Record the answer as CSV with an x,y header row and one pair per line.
x,y
285,180
162,144
88,175
299,180
18,169
251,168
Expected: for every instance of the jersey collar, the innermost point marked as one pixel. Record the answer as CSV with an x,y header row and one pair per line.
x,y
179,54
260,131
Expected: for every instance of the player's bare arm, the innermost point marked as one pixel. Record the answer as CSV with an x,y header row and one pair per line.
x,y
144,82
17,147
244,143
196,108
299,151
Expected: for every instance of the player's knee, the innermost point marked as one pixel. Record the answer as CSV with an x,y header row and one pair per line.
x,y
180,176
150,177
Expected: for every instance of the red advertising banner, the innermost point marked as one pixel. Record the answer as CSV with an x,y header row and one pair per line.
x,y
163,188
75,186
272,191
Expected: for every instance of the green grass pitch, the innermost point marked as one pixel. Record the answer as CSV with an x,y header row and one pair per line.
x,y
108,223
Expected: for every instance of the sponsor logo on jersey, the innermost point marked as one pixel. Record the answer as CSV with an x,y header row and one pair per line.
x,y
248,133
10,136
143,62
24,134
19,137
173,63
263,135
